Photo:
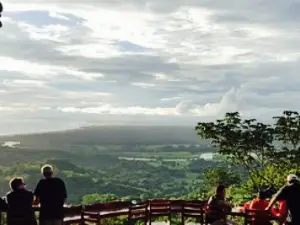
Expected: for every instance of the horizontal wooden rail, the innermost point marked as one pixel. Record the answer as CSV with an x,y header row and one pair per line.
x,y
79,214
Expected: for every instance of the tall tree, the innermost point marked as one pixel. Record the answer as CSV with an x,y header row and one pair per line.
x,y
287,136
247,143
257,147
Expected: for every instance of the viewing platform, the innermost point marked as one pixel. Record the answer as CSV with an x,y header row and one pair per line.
x,y
148,211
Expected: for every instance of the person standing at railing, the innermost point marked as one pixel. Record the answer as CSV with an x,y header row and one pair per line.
x,y
51,193
291,194
1,9
19,202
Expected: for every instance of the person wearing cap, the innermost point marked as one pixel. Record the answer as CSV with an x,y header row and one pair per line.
x,y
51,193
19,204
291,194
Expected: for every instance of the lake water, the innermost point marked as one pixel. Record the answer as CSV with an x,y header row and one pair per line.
x,y
206,156
11,144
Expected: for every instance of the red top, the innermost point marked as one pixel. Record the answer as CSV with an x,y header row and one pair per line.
x,y
247,205
259,204
282,210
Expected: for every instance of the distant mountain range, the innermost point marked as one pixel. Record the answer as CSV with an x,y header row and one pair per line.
x,y
111,135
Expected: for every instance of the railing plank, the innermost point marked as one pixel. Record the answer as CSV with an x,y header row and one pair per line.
x,y
95,212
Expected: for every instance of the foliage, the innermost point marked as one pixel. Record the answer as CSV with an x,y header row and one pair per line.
x,y
256,146
90,171
220,175
287,135
97,198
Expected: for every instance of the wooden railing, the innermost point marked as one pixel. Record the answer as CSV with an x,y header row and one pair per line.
x,y
147,211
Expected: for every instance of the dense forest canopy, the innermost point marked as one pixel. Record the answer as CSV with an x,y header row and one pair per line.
x,y
138,172
110,135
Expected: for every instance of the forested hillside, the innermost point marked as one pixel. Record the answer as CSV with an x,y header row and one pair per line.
x,y
122,171
110,135
250,156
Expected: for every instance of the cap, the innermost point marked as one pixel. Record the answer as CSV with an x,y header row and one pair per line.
x,y
292,177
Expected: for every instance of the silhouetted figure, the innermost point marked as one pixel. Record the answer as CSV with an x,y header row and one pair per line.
x,y
51,193
291,194
1,9
19,201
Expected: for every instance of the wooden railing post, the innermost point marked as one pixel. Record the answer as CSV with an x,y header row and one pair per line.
x,y
81,216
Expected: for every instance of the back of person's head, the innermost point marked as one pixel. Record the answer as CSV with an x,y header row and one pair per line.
x,y
220,189
262,195
47,171
292,178
16,183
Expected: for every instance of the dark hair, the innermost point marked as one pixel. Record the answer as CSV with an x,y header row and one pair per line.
x,y
15,183
220,188
269,192
262,195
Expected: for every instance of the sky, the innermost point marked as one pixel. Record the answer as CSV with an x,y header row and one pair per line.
x,y
71,63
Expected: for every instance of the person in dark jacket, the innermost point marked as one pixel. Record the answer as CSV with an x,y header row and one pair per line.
x,y
1,9
290,193
19,203
51,193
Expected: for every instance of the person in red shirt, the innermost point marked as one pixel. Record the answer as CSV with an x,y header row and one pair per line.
x,y
281,211
247,205
260,204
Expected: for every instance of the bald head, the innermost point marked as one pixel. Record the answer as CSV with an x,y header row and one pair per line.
x,y
47,171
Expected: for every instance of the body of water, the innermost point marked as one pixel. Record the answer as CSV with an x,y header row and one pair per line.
x,y
11,144
206,156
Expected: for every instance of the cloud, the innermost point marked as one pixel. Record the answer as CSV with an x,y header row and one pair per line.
x,y
78,62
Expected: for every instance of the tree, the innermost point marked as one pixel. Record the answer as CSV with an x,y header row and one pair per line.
x,y
247,143
219,175
97,198
287,136
254,145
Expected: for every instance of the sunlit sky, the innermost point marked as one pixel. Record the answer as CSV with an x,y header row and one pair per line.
x,y
70,63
